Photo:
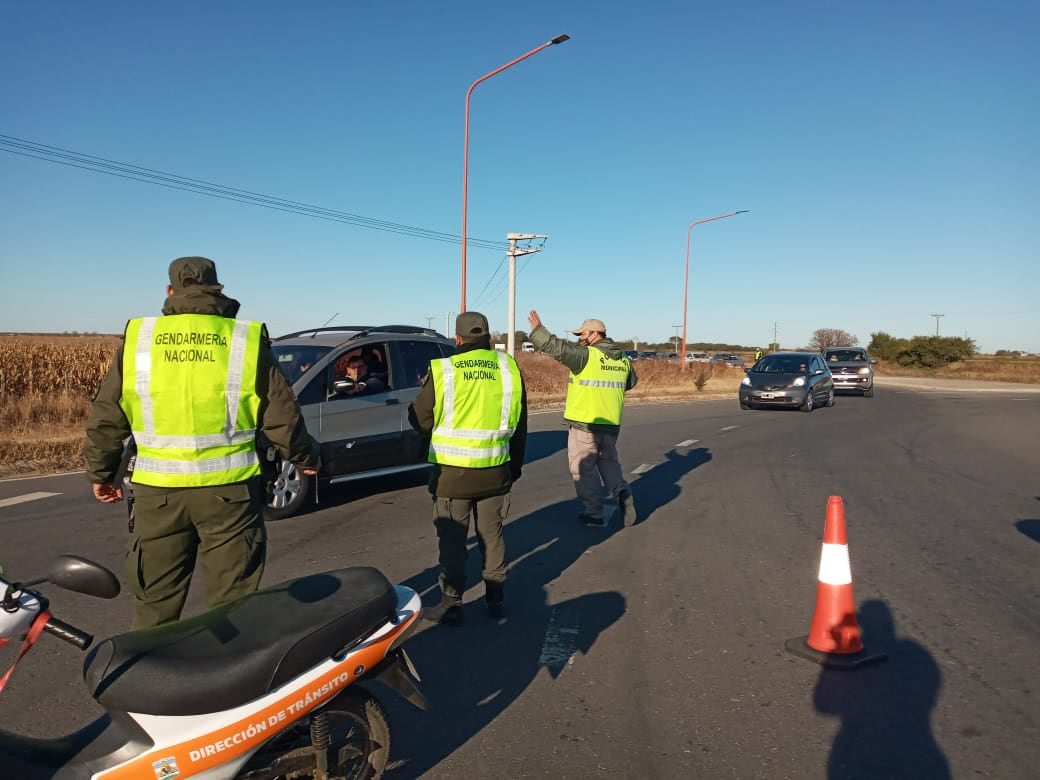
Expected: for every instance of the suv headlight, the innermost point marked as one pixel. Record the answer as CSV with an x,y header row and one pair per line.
x,y
746,381
864,370
798,382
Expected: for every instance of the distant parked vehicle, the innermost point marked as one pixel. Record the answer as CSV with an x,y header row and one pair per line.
x,y
728,359
631,354
647,354
527,346
697,357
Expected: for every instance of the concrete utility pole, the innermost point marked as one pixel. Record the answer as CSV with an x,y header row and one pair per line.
x,y
515,252
937,316
429,322
448,330
676,337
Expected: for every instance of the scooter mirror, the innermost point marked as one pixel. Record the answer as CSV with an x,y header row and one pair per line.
x,y
83,576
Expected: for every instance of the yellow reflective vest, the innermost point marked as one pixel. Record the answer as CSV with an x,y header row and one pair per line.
x,y
476,408
596,395
189,392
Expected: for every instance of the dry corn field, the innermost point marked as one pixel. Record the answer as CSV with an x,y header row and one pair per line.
x,y
46,383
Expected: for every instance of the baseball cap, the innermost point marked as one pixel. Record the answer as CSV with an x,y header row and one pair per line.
x,y
188,271
596,325
471,323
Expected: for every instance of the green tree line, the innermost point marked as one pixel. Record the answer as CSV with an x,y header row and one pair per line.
x,y
921,351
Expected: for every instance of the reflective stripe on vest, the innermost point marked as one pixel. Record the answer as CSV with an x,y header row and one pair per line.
x,y
476,408
596,395
189,392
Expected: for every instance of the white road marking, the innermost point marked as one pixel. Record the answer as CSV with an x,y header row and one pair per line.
x,y
729,428
40,476
25,498
642,468
687,443
560,641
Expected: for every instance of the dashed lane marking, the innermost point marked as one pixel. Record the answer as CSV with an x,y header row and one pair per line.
x,y
25,498
687,443
642,468
729,428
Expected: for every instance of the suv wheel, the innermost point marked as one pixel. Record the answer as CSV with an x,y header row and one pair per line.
x,y
287,491
869,393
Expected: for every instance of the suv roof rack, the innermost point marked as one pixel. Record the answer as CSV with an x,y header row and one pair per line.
x,y
360,331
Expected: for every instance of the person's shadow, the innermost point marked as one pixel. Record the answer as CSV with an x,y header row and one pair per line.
x,y
1030,528
471,675
542,444
660,485
884,709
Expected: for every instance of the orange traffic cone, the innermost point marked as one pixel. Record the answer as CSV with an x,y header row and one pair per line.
x,y
834,639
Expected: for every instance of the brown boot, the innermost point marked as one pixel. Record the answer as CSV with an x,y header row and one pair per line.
x,y
448,611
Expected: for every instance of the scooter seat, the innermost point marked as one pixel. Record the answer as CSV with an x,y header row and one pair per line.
x,y
238,652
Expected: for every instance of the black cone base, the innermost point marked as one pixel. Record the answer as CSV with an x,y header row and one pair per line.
x,y
798,647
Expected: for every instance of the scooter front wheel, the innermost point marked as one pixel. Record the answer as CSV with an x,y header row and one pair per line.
x,y
351,731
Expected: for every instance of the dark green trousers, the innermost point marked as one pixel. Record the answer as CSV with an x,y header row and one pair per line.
x,y
452,518
219,528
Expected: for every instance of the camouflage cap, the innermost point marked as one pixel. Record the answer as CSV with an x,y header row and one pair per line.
x,y
188,272
471,324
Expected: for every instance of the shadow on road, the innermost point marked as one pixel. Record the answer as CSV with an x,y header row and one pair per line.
x,y
473,674
1030,528
660,485
543,444
884,709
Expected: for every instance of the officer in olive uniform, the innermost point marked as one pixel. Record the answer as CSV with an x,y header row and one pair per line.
x,y
600,376
473,406
193,388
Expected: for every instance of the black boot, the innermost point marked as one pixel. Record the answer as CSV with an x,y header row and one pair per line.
x,y
627,507
494,599
448,612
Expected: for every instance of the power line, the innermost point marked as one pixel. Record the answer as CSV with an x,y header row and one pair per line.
x,y
94,164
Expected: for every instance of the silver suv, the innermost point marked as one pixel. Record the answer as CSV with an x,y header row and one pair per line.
x,y
852,369
362,425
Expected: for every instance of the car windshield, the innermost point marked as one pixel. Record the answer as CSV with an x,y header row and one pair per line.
x,y
846,356
781,364
295,359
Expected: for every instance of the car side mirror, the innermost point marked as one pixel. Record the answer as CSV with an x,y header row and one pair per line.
x,y
873,360
344,386
817,372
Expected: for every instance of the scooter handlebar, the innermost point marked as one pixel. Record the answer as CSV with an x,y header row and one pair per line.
x,y
70,634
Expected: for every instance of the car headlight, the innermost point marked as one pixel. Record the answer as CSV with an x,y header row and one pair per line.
x,y
746,381
864,370
798,382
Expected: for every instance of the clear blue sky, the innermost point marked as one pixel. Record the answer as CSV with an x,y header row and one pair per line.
x,y
887,152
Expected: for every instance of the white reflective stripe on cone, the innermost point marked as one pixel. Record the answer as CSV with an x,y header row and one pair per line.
x,y
834,565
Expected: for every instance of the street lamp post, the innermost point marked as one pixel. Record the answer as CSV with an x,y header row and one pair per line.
x,y
465,147
686,284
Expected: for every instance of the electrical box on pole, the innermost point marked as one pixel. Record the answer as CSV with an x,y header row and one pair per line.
x,y
514,252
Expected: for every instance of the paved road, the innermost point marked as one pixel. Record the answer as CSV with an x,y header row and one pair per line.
x,y
657,651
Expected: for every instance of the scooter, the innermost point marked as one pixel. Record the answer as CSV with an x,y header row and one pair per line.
x,y
264,688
